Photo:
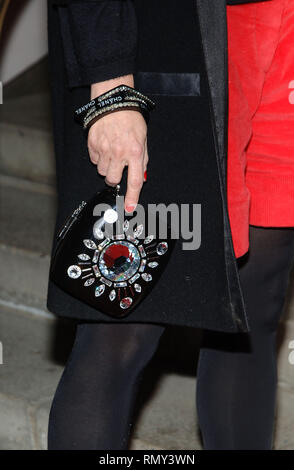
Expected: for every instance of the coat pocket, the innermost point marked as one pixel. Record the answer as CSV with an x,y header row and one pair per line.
x,y
168,83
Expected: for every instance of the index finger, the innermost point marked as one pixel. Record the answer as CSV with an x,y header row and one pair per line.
x,y
134,184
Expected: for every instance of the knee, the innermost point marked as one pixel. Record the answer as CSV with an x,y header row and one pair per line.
x,y
125,346
134,352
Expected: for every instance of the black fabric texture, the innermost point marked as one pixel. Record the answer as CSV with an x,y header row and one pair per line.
x,y
99,40
237,374
187,163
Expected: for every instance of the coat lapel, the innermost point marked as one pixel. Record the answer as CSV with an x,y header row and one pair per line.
x,y
212,19
213,28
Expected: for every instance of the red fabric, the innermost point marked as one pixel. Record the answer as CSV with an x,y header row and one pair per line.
x,y
261,117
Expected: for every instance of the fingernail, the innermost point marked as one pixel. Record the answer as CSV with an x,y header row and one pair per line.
x,y
145,175
130,208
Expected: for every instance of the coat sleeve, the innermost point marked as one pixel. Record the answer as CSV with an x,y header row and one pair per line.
x,y
99,39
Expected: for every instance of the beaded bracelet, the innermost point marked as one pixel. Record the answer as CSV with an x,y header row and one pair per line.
x,y
127,105
120,97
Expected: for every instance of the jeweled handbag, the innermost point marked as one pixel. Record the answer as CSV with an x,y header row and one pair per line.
x,y
107,261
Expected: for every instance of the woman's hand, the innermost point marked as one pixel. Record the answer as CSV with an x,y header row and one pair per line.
x,y
119,139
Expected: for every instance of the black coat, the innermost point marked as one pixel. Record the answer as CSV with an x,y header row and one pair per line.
x,y
179,58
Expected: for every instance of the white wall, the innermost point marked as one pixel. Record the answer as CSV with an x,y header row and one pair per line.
x,y
27,40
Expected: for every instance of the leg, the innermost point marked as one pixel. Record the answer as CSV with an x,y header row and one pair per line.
x,y
93,404
236,386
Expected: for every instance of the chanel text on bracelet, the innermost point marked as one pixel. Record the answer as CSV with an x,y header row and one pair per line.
x,y
117,95
118,99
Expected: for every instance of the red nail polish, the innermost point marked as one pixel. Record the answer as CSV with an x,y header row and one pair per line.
x,y
130,208
145,175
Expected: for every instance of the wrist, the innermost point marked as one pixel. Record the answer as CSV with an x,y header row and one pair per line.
x,y
121,97
102,87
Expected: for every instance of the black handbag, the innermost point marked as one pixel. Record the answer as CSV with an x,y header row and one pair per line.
x,y
107,261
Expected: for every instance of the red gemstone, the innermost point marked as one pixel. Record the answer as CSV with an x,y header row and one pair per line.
x,y
116,255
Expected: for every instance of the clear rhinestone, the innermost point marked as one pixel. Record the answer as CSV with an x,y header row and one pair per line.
x,y
126,302
142,251
147,277
153,264
138,231
112,295
143,265
90,244
120,284
137,287
148,239
84,257
96,270
74,271
106,281
99,290
161,248
102,244
134,278
96,256
89,281
126,225
132,239
119,236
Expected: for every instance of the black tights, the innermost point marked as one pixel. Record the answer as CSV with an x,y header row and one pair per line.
x,y
93,403
236,380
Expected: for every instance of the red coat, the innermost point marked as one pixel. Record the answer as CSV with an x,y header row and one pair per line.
x,y
261,115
